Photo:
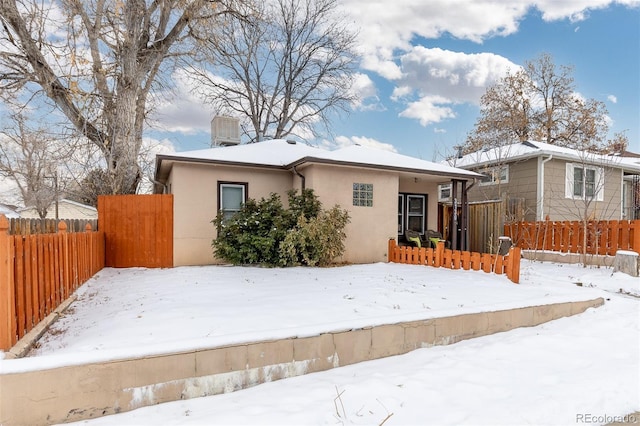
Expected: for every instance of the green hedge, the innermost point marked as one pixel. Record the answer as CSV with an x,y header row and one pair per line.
x,y
264,232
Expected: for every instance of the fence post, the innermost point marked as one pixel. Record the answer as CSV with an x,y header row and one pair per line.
x,y
439,254
87,229
513,264
391,245
7,290
636,236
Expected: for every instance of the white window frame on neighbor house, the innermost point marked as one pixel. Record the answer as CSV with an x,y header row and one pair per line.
x,y
582,191
444,192
229,211
495,175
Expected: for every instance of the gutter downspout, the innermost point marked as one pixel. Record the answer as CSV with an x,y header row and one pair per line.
x,y
302,178
541,186
164,185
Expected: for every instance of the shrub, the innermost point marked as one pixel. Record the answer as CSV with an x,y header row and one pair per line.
x,y
315,241
253,234
264,232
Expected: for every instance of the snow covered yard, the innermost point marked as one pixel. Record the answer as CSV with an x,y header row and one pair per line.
x,y
139,311
570,371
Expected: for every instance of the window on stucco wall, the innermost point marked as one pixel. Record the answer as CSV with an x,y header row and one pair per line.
x,y
363,194
231,197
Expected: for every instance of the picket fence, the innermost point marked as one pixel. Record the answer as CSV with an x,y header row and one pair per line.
x,y
456,259
24,226
40,271
603,237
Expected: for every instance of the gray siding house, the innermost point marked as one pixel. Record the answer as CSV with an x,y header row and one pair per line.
x,y
539,180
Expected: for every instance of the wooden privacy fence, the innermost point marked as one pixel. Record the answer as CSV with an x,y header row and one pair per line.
x,y
138,230
456,259
38,272
23,226
602,237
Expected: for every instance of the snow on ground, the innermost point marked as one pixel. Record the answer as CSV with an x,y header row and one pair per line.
x,y
587,365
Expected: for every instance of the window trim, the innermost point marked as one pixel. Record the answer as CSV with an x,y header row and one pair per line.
x,y
490,173
442,187
358,199
598,182
401,214
222,184
405,210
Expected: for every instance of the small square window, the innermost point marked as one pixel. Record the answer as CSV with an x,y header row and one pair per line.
x,y
363,194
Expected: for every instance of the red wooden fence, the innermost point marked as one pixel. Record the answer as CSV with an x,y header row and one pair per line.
x,y
138,230
39,272
603,237
456,259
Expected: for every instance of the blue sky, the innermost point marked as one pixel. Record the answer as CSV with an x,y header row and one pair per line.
x,y
469,45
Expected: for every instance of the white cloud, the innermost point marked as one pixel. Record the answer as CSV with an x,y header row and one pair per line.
x,y
456,76
612,98
384,29
179,109
366,93
575,11
429,110
434,80
344,141
387,29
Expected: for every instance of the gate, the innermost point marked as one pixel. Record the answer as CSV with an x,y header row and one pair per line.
x,y
138,230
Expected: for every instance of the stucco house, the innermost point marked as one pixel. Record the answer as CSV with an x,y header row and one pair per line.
x,y
65,209
539,180
385,193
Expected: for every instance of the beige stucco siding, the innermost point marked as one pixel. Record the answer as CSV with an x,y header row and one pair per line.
x,y
559,207
195,189
370,228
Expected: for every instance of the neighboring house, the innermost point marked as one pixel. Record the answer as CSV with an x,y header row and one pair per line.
x,y
385,193
540,180
66,209
9,211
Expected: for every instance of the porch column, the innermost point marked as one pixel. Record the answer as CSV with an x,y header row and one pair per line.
x,y
464,218
454,215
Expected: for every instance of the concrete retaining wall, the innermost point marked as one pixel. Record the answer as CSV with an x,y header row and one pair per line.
x,y
85,391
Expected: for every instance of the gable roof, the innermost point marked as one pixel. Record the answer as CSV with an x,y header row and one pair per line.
x,y
64,201
530,149
9,211
282,154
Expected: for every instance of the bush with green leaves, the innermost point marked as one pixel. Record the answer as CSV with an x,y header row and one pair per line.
x,y
264,232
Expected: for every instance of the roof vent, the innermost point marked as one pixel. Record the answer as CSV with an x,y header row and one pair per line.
x,y
291,142
225,131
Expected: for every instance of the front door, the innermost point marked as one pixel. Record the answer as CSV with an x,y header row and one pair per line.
x,y
412,213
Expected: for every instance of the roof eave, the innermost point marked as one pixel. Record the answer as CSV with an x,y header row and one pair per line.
x,y
467,176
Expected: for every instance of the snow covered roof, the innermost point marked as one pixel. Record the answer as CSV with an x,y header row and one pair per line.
x,y
276,152
286,154
8,211
531,149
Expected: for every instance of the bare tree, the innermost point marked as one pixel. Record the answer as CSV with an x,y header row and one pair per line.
x,y
97,61
31,157
539,102
505,114
283,70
